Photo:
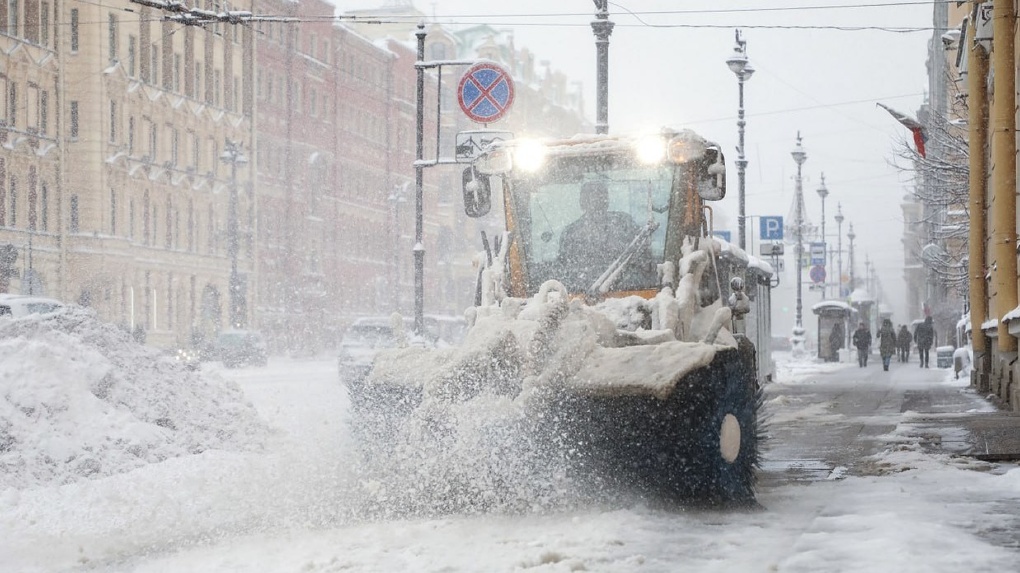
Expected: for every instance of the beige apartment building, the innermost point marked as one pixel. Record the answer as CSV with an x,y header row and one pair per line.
x,y
112,183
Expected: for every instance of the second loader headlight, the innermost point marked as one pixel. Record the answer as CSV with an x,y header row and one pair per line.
x,y
683,149
529,155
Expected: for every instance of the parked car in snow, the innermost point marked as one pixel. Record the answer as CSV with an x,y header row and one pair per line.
x,y
18,306
368,335
241,348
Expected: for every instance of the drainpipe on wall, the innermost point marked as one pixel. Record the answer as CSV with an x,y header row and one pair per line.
x,y
977,103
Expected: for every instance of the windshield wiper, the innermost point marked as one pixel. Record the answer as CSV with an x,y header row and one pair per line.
x,y
609,276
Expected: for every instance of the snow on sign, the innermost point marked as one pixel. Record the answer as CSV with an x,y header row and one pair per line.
x,y
486,92
471,143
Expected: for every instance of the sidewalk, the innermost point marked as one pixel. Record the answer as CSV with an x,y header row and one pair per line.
x,y
957,420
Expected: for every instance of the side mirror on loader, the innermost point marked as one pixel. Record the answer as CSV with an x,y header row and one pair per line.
x,y
477,193
711,174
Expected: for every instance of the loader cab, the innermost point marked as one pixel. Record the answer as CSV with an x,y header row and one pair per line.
x,y
603,209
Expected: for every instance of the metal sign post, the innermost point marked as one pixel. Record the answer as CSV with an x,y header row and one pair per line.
x,y
485,93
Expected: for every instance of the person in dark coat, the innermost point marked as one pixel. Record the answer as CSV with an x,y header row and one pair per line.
x,y
924,337
903,340
886,343
862,340
836,339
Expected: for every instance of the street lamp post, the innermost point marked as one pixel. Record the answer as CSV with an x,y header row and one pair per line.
x,y
839,250
850,235
233,155
799,156
602,28
742,68
823,192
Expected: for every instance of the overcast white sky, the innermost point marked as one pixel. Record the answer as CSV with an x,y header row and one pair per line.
x,y
823,82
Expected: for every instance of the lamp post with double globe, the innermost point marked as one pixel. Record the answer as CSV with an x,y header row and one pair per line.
x,y
742,68
839,250
799,157
823,192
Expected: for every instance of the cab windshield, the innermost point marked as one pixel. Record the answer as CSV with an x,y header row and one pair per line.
x,y
577,216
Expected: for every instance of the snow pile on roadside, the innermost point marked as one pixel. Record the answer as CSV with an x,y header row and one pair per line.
x,y
81,399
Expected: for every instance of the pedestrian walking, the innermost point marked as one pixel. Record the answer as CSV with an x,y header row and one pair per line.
x,y
886,343
862,341
903,340
924,337
836,340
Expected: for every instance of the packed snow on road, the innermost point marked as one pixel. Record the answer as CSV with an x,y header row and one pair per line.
x,y
114,457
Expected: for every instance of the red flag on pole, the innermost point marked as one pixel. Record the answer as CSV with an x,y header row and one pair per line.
x,y
910,123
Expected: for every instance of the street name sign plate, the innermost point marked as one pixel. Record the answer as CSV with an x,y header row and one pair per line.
x,y
771,249
471,143
486,92
818,254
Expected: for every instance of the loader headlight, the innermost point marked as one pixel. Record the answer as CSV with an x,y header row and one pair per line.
x,y
650,149
683,149
529,155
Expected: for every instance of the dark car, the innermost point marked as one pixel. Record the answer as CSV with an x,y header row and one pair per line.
x,y
241,348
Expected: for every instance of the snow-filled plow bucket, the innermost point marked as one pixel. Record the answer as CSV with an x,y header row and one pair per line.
x,y
557,385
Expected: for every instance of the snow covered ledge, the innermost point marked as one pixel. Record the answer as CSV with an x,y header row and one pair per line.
x,y
1012,321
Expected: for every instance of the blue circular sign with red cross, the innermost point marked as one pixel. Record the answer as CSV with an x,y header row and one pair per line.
x,y
817,273
486,92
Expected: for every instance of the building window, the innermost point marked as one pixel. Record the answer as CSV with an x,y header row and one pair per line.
x,y
74,120
113,212
3,192
12,17
12,104
44,23
152,142
131,135
74,214
33,199
177,73
217,88
74,29
154,65
113,121
44,200
169,224
145,218
198,80
132,55
44,111
13,194
195,146
174,143
112,31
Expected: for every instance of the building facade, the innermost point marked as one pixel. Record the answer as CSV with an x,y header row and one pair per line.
x,y
113,188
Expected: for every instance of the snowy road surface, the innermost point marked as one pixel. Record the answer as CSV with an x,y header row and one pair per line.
x,y
295,505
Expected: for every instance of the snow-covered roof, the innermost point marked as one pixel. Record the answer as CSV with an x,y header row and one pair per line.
x,y
830,304
860,295
990,324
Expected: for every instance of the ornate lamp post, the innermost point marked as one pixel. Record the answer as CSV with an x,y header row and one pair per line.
x,y
850,235
741,67
602,28
233,156
799,157
823,192
839,249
